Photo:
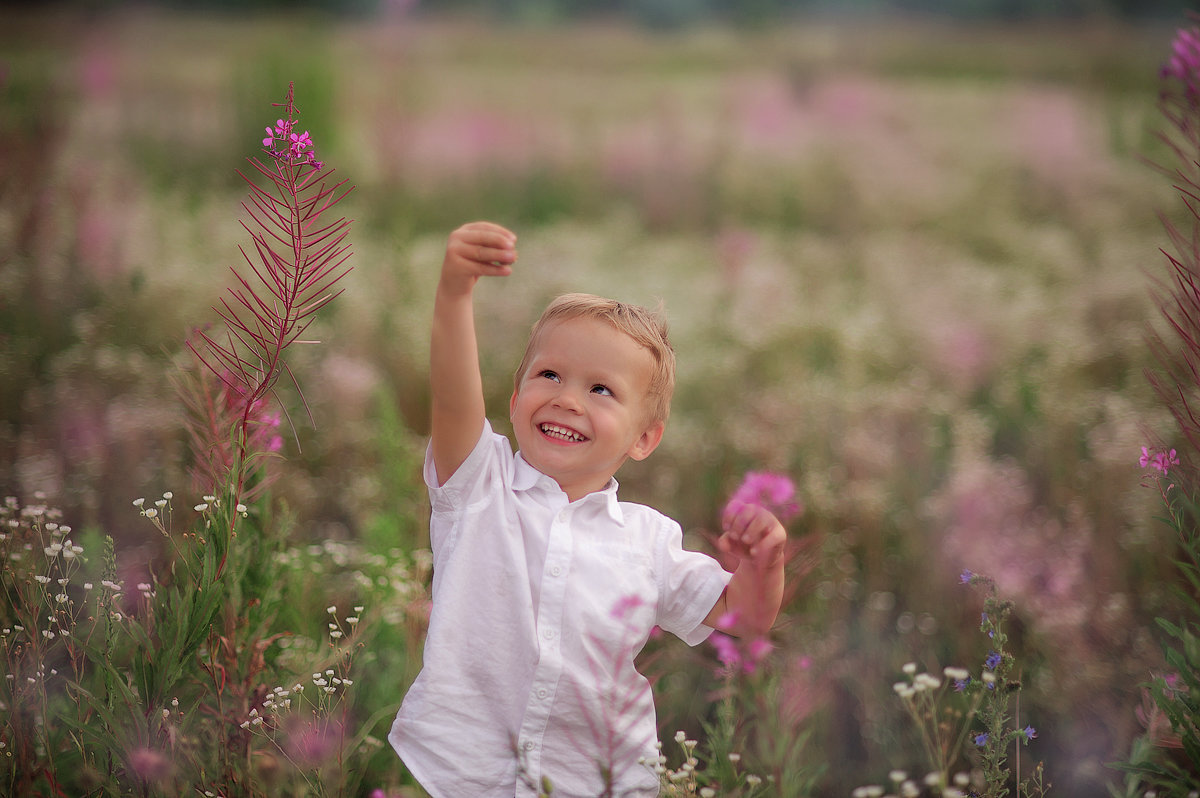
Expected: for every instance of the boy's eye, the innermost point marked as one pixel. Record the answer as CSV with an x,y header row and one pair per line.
x,y
548,374
602,390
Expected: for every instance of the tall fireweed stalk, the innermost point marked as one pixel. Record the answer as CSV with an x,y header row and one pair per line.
x,y
174,677
1164,759
293,265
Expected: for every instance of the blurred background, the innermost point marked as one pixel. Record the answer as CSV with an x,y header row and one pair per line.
x,y
906,247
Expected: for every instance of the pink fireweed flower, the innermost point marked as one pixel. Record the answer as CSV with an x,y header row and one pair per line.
x,y
625,605
1184,64
735,655
775,492
149,764
281,143
1159,461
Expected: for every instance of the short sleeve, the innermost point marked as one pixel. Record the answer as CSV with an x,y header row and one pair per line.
x,y
690,583
483,469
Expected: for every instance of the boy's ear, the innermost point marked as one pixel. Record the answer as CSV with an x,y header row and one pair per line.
x,y
648,442
512,402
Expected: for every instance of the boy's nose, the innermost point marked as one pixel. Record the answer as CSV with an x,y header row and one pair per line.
x,y
567,399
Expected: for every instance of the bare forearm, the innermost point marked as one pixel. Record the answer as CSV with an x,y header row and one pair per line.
x,y
753,598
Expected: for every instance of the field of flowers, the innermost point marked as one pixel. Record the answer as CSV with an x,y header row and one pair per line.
x,y
908,265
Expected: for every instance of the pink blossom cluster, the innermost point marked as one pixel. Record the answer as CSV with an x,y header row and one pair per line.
x,y
738,655
294,147
775,492
1184,63
1159,461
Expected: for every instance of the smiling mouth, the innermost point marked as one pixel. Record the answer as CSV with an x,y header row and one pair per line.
x,y
561,433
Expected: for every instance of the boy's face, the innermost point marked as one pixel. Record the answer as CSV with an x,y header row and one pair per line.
x,y
581,407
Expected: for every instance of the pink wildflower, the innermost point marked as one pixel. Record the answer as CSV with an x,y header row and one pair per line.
x,y
774,492
734,655
1184,63
149,765
1159,461
625,605
727,650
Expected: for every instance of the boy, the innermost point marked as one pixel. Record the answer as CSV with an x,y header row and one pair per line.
x,y
545,586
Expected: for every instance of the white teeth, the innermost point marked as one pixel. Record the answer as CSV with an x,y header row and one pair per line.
x,y
562,433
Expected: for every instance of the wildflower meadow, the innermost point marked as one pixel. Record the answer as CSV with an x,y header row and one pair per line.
x,y
934,290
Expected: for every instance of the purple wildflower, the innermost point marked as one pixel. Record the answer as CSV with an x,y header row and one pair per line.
x,y
965,577
1028,733
775,492
981,739
992,661
961,684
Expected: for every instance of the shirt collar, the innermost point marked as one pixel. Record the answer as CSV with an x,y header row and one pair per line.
x,y
527,478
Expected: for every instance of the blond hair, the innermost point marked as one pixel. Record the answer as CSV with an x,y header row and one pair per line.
x,y
647,328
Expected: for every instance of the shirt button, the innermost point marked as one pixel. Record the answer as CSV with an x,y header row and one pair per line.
x,y
528,745
542,692
556,571
548,634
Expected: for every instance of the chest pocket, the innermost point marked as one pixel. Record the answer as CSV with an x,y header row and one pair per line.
x,y
618,587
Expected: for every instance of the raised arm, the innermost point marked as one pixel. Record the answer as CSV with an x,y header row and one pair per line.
x,y
755,592
475,250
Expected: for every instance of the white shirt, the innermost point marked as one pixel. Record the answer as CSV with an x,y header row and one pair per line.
x,y
539,607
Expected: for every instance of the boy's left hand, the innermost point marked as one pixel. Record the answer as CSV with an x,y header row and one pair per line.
x,y
752,532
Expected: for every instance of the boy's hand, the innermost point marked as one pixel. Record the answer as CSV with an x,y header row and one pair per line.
x,y
478,249
753,533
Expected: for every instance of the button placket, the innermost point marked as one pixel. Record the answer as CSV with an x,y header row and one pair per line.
x,y
549,665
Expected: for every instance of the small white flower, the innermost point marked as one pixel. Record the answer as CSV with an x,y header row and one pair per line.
x,y
347,682
331,610
957,674
138,502
735,757
336,634
42,580
61,598
166,713
161,503
910,668
143,586
707,792
168,495
241,508
200,507
897,776
46,633
989,677
962,779
353,619
359,608
151,513
753,780
209,499
680,736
